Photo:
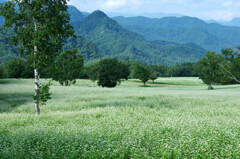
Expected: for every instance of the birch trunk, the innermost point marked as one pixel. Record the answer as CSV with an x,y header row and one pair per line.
x,y
36,75
36,102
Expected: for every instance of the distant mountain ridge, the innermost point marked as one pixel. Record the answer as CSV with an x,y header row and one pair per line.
x,y
114,41
149,15
75,14
233,22
212,37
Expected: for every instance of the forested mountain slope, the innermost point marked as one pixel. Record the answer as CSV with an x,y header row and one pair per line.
x,y
212,37
7,51
114,41
76,15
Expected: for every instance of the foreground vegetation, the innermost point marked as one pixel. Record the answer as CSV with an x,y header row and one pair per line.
x,y
173,118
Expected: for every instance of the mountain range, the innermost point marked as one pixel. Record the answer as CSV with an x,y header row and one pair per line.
x,y
149,15
114,41
233,22
148,40
212,37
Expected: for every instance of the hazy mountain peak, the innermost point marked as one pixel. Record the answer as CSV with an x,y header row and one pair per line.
x,y
98,14
75,14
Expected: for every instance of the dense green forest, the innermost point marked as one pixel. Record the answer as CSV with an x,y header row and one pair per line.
x,y
86,48
7,52
212,37
114,41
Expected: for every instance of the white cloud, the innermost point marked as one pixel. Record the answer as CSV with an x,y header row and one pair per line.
x,y
221,15
227,3
113,4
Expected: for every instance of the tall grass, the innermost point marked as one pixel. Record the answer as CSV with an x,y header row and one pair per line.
x,y
175,118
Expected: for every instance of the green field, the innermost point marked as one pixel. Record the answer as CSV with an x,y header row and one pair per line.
x,y
173,118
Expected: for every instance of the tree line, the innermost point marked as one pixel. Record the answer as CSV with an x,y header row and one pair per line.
x,y
21,68
222,68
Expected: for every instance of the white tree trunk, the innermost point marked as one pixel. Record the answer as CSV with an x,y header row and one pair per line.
x,y
36,75
36,102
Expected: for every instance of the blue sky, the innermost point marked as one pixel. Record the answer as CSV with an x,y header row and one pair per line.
x,y
221,10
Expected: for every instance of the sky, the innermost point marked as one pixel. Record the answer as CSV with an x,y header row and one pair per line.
x,y
220,10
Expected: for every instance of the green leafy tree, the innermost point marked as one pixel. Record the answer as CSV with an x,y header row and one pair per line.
x,y
153,75
27,66
142,73
108,72
68,67
17,68
14,68
39,27
44,94
1,72
230,65
208,69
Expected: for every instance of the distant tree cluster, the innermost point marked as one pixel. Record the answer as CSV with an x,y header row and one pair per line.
x,y
182,70
16,68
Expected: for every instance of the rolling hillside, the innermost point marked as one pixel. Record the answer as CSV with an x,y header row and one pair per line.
x,y
114,41
212,37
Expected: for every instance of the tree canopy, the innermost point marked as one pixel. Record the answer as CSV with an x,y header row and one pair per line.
x,y
142,73
231,65
209,69
68,67
108,72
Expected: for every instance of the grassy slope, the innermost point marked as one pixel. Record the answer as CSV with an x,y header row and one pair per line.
x,y
176,118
